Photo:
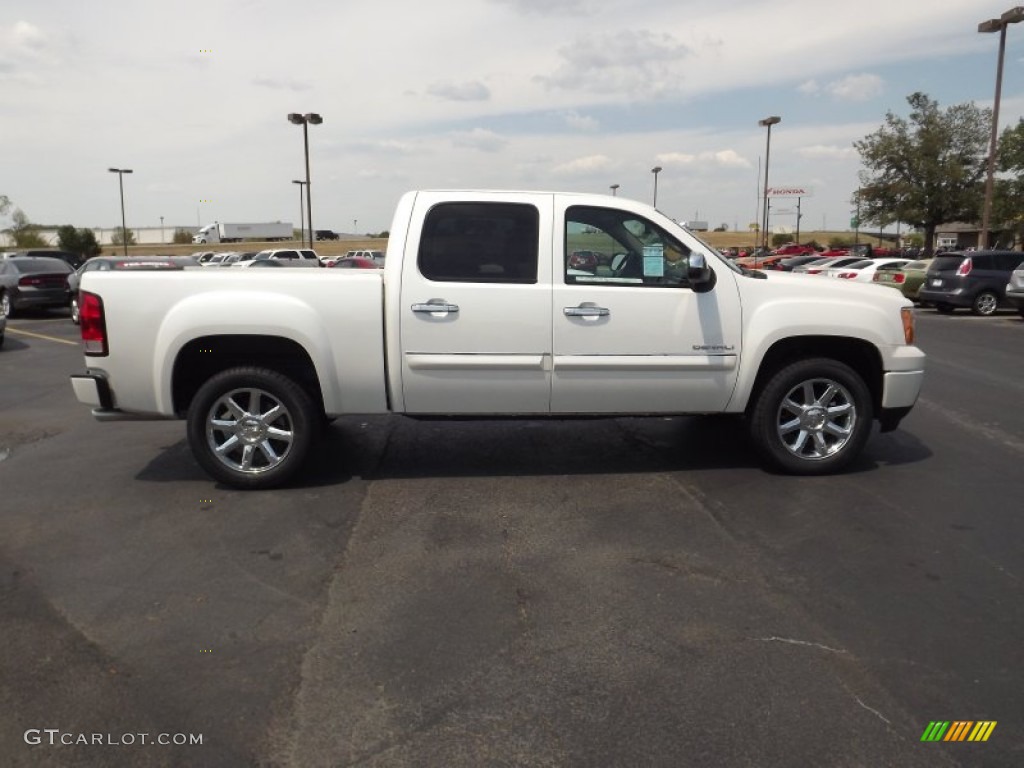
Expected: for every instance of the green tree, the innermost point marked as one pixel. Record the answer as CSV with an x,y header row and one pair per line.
x,y
23,232
925,170
780,238
81,241
123,236
181,236
1008,197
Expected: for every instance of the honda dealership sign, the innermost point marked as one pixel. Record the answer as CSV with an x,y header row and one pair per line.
x,y
790,192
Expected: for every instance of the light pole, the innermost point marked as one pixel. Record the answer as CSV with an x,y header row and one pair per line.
x,y
656,170
161,230
124,229
355,226
306,120
615,189
302,212
999,25
768,122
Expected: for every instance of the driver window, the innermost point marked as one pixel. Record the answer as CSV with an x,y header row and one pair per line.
x,y
605,246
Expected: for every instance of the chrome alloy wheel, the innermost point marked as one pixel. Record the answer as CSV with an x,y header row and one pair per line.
x,y
249,430
816,419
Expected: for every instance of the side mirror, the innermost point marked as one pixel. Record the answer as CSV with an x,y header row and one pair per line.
x,y
697,270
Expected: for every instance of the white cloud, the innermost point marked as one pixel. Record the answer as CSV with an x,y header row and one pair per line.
x,y
479,139
638,64
279,84
862,87
582,166
725,158
384,146
471,91
827,152
852,88
580,122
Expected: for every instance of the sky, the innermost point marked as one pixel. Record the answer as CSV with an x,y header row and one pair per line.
x,y
564,95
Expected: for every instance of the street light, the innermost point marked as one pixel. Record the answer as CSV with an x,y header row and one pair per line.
x,y
124,229
615,189
656,170
310,118
999,25
302,213
768,122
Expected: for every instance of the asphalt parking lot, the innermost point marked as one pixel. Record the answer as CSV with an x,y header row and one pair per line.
x,y
587,593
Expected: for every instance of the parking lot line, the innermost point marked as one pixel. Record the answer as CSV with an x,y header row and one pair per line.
x,y
41,336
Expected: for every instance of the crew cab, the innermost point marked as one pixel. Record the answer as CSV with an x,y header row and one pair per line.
x,y
478,311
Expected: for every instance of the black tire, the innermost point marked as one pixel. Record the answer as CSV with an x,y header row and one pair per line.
x,y
812,417
274,449
944,309
985,303
75,316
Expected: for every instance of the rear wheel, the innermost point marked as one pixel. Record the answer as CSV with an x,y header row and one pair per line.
x,y
75,317
812,417
985,303
251,428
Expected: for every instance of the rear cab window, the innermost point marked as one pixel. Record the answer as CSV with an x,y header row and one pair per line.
x,y
480,242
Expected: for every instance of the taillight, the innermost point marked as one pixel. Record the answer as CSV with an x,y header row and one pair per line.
x,y
899,277
965,267
907,315
847,275
93,324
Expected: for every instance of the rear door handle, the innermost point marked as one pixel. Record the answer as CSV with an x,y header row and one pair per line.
x,y
586,312
433,306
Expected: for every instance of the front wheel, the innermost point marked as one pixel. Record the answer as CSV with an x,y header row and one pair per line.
x,y
75,316
812,417
251,428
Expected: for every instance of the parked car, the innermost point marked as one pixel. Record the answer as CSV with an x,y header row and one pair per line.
x,y
355,263
976,280
790,263
864,270
74,260
819,266
244,259
3,327
33,282
1015,289
587,260
377,256
794,249
294,257
326,234
137,263
908,279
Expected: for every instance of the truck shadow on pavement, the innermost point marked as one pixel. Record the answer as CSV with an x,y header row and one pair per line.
x,y
394,447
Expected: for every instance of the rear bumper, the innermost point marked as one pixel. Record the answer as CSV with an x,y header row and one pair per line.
x,y
955,298
93,389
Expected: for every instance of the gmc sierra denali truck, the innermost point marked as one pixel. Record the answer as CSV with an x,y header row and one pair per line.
x,y
479,310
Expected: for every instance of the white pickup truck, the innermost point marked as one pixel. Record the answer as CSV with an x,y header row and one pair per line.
x,y
506,304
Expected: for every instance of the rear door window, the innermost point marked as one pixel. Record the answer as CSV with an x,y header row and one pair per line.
x,y
480,242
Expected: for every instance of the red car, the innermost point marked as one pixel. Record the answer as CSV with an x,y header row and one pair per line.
x,y
794,249
356,262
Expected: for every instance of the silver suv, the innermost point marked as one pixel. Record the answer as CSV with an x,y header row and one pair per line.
x,y
292,257
1015,289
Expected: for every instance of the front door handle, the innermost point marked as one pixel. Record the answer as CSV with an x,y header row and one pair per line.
x,y
433,306
586,312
